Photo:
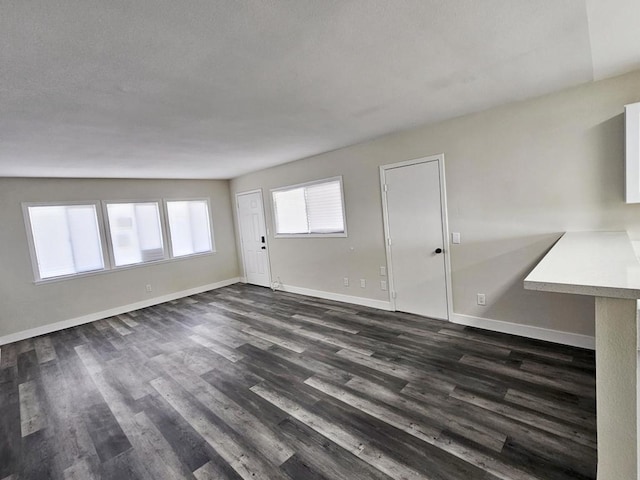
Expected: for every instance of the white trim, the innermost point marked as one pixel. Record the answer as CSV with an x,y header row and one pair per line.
x,y
338,297
632,153
124,267
258,191
109,234
106,263
167,225
528,331
444,216
311,235
104,231
387,247
342,234
92,317
307,184
446,240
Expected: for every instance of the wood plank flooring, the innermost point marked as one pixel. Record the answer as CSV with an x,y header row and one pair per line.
x,y
243,382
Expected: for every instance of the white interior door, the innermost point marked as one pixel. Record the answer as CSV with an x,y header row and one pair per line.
x,y
416,237
253,238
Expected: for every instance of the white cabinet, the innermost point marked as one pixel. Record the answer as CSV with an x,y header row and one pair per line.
x,y
632,152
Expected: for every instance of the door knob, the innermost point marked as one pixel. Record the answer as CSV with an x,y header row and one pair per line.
x,y
263,248
438,250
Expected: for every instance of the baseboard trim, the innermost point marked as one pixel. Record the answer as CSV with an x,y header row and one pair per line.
x,y
92,317
538,333
528,331
338,297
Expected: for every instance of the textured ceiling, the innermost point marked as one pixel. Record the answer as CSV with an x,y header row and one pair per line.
x,y
215,89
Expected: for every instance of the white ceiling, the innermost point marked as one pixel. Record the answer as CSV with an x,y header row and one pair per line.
x,y
218,88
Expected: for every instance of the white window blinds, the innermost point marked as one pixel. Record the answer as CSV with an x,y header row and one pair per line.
x,y
66,239
69,239
136,232
311,209
189,227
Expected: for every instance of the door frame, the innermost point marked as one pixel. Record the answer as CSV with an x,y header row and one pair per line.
x,y
445,227
266,231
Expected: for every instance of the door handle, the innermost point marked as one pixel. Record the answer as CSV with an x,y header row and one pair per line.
x,y
262,238
438,250
263,248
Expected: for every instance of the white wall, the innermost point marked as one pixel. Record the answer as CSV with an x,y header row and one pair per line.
x,y
25,305
517,177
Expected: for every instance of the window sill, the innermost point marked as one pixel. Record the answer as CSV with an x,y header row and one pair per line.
x,y
311,235
119,269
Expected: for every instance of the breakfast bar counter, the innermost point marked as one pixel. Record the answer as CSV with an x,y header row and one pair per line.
x,y
604,265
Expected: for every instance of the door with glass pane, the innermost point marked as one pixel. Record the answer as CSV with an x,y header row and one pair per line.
x,y
253,238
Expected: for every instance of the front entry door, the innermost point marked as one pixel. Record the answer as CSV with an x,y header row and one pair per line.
x,y
253,238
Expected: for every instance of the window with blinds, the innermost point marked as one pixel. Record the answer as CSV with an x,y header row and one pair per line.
x,y
71,239
310,209
135,232
189,227
65,239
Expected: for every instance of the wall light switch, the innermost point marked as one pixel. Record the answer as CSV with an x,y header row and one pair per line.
x,y
455,237
383,271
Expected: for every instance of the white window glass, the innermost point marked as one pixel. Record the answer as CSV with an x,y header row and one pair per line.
x,y
189,227
66,239
291,211
312,209
136,232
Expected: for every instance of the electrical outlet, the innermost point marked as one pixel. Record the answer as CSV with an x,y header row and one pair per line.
x,y
149,289
482,300
345,281
383,271
383,284
363,283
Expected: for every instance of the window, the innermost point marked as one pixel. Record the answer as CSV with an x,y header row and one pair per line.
x,y
65,239
70,239
189,227
311,209
136,232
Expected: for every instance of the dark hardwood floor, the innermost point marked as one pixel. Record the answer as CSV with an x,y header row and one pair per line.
x,y
243,382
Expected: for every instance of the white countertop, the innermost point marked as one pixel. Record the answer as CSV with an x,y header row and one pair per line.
x,y
601,264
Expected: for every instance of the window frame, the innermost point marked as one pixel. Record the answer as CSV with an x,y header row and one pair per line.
x,y
169,242
106,261
109,240
309,235
104,232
